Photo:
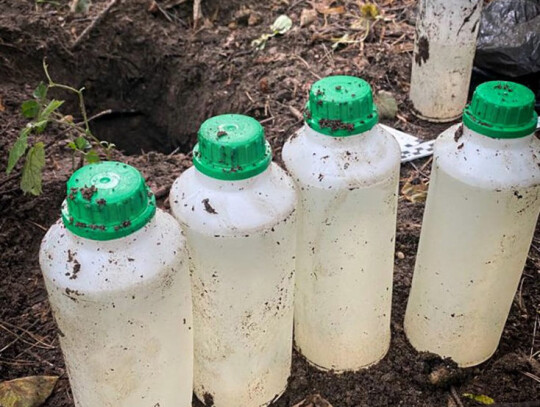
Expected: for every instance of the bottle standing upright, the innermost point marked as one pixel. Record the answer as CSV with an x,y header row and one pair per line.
x,y
482,207
115,268
346,168
237,209
444,48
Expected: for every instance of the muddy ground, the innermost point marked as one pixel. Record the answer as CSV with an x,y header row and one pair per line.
x,y
157,77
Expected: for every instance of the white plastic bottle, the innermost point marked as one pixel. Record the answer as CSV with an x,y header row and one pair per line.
x,y
116,271
346,168
445,44
237,209
482,207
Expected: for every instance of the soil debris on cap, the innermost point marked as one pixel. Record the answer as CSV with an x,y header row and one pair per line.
x,y
73,193
101,202
123,225
88,192
221,133
207,207
335,125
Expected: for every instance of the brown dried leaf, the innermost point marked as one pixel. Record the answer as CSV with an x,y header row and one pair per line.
x,y
330,10
415,190
307,17
2,107
29,391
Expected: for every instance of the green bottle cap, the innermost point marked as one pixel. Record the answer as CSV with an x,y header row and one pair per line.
x,y
341,106
500,109
107,201
231,147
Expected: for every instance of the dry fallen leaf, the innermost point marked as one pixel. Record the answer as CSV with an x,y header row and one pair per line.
x,y
315,400
29,391
307,17
2,107
415,190
331,10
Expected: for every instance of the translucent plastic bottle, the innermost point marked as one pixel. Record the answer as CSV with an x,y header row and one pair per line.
x,y
116,271
346,168
445,44
238,212
481,211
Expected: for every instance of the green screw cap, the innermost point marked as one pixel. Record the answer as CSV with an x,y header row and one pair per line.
x,y
341,106
231,147
501,109
107,201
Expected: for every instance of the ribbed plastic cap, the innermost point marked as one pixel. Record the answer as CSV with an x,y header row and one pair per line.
x,y
107,201
341,106
500,109
231,147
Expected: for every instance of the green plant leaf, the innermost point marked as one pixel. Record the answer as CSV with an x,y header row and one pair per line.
x,y
82,143
18,149
32,170
40,126
260,43
30,109
72,145
92,157
40,93
27,392
282,24
480,398
51,107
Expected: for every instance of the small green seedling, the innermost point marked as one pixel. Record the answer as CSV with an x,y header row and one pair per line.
x,y
43,111
282,24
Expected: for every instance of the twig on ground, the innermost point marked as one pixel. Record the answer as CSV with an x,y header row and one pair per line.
x,y
37,225
249,97
197,12
296,113
20,338
532,376
173,152
268,119
94,23
456,397
307,66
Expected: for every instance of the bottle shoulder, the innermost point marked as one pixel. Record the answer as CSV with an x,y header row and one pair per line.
x,y
486,162
229,208
91,266
342,162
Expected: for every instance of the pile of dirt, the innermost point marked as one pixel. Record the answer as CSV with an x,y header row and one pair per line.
x,y
156,78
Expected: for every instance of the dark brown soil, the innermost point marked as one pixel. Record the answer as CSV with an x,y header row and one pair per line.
x,y
161,78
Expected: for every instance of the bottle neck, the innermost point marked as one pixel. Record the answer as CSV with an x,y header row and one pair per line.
x,y
495,143
338,142
227,185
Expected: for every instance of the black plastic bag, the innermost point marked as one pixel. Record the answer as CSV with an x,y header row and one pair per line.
x,y
509,38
